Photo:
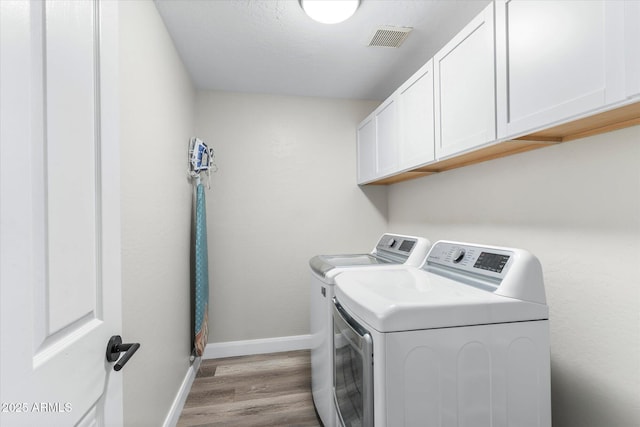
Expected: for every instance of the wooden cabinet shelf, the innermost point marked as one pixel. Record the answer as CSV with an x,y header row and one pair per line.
x,y
607,121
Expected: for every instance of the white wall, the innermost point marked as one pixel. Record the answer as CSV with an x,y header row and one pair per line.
x,y
577,207
285,191
157,114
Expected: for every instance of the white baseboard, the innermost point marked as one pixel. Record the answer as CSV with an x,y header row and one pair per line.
x,y
178,403
259,346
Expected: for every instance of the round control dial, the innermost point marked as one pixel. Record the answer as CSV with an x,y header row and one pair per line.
x,y
458,255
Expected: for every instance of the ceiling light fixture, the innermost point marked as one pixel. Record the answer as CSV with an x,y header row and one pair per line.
x,y
329,11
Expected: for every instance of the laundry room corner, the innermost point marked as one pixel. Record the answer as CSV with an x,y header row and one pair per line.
x,y
285,191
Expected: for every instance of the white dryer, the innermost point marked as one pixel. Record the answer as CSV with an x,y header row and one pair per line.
x,y
392,251
462,341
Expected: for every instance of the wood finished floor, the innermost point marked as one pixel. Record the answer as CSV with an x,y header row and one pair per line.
x,y
265,390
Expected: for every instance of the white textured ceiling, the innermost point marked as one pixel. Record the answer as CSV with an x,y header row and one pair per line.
x,y
271,46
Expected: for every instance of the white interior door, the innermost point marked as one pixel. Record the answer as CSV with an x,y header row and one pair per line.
x,y
59,213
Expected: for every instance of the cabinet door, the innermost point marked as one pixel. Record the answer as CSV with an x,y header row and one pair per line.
x,y
464,73
632,37
366,150
557,60
415,108
387,138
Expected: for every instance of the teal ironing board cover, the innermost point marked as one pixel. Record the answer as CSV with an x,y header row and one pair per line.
x,y
201,274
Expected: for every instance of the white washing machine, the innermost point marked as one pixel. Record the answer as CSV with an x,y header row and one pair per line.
x,y
392,251
462,341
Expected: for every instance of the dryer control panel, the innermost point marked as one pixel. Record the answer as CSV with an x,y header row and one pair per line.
x,y
464,258
509,272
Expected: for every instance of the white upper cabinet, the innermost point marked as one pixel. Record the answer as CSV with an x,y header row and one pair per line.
x,y
632,36
557,60
464,71
399,134
416,121
386,117
366,150
521,75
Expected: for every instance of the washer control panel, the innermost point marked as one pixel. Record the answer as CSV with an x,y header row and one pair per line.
x,y
398,245
465,258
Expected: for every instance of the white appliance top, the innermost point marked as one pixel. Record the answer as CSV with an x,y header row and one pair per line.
x,y
392,249
461,284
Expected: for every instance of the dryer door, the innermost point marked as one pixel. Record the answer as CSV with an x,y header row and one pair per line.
x,y
353,369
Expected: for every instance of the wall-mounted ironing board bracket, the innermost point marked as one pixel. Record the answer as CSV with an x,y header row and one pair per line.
x,y
201,159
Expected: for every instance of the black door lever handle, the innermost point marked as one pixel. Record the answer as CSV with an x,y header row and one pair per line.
x,y
115,347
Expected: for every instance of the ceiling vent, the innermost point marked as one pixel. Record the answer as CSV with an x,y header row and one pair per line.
x,y
388,36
